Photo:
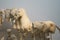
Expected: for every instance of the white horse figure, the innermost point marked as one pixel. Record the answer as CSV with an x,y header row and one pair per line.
x,y
25,23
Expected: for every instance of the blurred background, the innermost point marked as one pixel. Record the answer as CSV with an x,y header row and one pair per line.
x,y
37,10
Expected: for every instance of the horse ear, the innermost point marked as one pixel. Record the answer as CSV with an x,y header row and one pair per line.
x,y
22,10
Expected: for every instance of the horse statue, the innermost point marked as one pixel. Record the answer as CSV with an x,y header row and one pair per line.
x,y
25,24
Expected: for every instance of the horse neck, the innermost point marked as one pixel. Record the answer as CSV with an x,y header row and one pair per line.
x,y
25,20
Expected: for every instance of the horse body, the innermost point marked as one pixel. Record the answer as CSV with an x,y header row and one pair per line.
x,y
46,26
50,26
39,25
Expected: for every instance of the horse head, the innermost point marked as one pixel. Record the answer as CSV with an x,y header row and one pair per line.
x,y
24,22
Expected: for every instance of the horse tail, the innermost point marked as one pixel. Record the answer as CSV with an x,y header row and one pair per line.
x,y
58,28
